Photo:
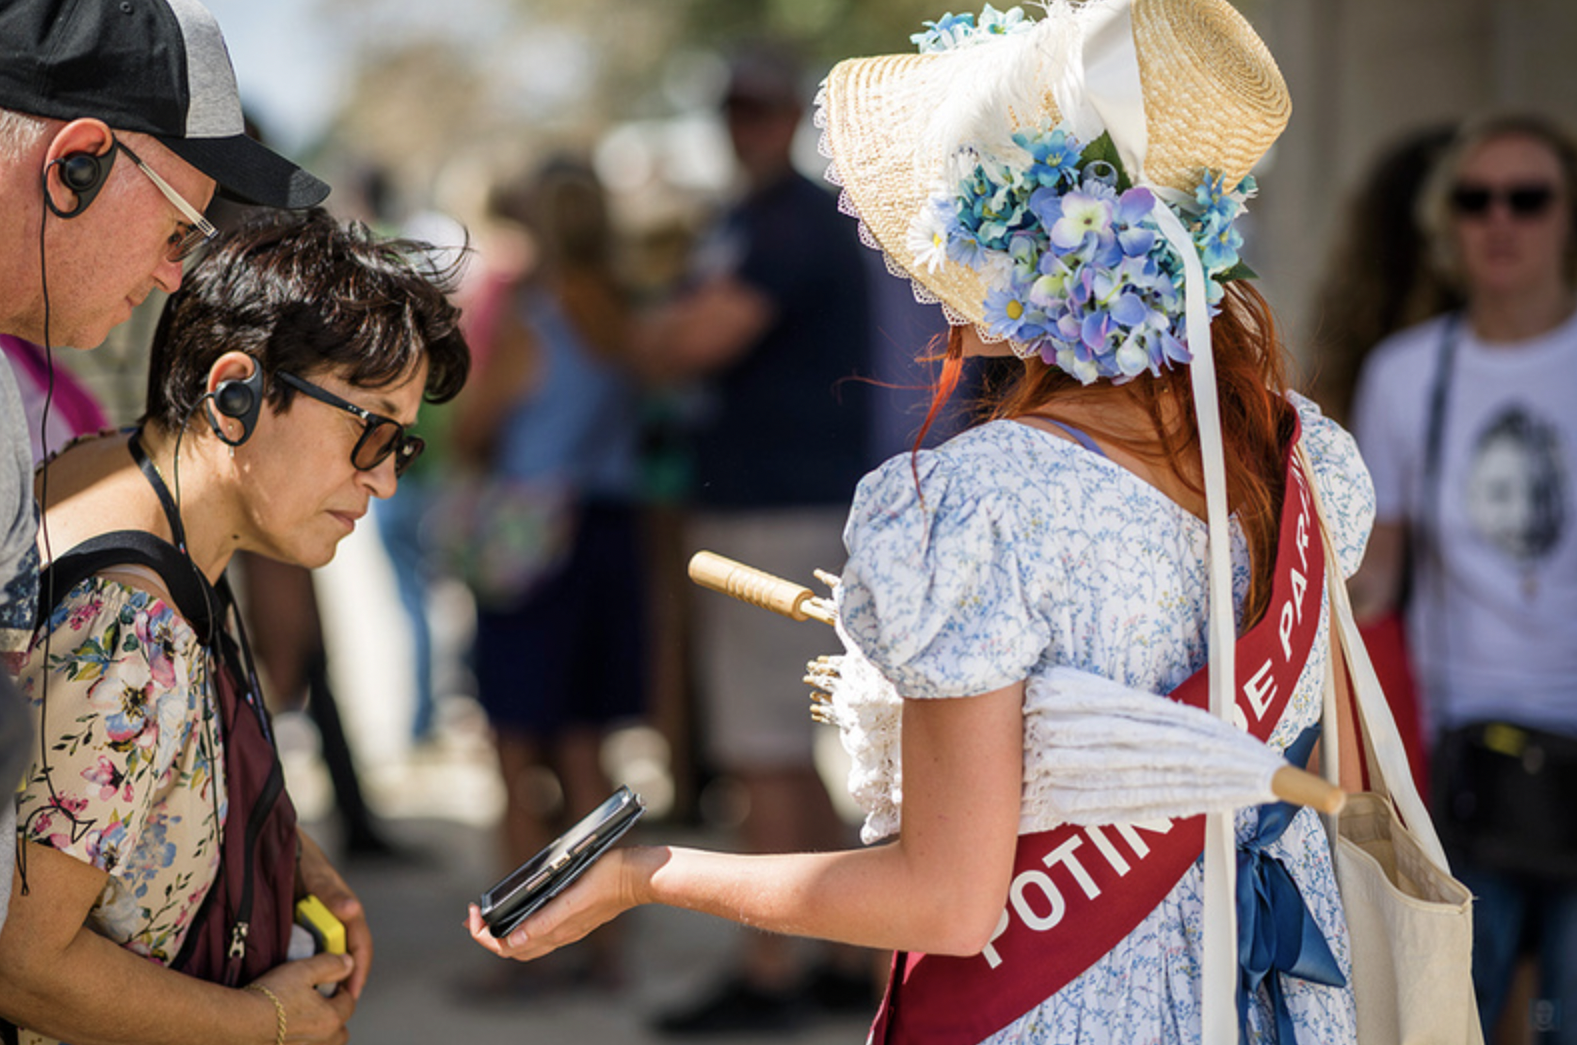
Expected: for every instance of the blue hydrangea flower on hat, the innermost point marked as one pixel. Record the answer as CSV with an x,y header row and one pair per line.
x,y
1070,185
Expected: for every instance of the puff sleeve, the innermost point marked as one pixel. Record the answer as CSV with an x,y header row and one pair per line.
x,y
1343,480
934,594
132,783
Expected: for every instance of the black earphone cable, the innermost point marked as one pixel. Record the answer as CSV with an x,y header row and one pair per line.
x,y
48,556
46,592
178,522
214,651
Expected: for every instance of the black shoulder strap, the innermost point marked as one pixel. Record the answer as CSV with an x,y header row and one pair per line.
x,y
198,601
1439,392
205,606
1421,532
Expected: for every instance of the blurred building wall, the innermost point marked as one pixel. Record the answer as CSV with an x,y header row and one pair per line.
x,y
1362,72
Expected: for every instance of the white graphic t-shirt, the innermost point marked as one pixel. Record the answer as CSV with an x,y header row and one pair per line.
x,y
1493,615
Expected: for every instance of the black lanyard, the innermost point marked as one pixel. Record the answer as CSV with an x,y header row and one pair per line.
x,y
221,601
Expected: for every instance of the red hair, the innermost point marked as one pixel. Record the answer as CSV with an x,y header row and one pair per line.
x,y
1256,419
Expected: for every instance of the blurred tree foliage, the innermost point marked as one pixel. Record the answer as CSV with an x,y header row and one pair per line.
x,y
493,82
518,73
825,30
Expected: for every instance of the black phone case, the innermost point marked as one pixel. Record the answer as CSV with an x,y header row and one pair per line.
x,y
602,829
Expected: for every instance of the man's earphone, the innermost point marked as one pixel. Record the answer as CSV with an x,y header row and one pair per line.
x,y
84,174
240,399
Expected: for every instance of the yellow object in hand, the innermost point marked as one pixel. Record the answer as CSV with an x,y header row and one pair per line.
x,y
329,932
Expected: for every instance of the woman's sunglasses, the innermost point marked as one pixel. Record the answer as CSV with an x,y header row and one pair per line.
x,y
1523,201
380,436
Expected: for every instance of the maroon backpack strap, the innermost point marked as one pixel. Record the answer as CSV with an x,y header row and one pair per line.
x,y
243,927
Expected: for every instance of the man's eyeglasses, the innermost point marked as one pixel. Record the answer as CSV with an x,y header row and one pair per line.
x,y
199,229
1523,201
380,436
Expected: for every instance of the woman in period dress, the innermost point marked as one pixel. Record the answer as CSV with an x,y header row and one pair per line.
x,y
1011,172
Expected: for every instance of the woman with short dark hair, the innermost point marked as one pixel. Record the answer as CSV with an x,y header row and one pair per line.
x,y
283,380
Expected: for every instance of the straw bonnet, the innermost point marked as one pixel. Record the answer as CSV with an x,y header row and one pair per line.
x,y
1200,92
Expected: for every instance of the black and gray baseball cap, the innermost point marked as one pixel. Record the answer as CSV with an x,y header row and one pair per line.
x,y
155,67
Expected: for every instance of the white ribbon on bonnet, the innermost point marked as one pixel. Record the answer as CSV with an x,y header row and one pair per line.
x,y
1088,51
1105,63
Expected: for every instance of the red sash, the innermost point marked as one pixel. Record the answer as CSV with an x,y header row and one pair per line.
x,y
1078,891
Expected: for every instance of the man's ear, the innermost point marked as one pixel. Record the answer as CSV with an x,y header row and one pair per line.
x,y
77,164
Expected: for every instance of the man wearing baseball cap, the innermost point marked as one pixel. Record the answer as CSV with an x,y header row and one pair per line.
x,y
119,119
117,122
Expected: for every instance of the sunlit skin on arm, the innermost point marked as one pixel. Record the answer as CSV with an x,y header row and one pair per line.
x,y
939,888
61,979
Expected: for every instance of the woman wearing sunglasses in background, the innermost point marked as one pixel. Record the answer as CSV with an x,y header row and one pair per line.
x,y
282,380
1468,427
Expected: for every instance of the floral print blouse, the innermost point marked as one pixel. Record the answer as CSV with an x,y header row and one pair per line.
x,y
131,775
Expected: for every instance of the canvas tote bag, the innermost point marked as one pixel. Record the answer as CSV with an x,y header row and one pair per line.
x,y
1409,922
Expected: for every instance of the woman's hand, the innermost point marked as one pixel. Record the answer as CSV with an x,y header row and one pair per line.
x,y
603,893
317,876
310,1018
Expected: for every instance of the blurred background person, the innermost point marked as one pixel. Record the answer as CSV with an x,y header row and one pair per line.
x,y
399,519
549,538
1466,422
437,616
774,320
1378,279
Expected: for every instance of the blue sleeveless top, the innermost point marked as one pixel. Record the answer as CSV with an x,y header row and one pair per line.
x,y
580,425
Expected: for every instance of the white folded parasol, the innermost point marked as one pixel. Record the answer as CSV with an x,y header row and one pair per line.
x,y
1111,753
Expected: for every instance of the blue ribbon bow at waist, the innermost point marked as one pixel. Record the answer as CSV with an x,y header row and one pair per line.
x,y
1276,931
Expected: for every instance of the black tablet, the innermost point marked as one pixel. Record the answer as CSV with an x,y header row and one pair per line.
x,y
544,876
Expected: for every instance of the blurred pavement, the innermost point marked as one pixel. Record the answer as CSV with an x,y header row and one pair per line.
x,y
440,802
424,959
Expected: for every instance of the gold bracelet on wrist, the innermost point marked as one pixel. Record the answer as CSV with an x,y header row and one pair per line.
x,y
279,1011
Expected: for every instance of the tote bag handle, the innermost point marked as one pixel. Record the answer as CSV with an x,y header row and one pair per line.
x,y
1380,744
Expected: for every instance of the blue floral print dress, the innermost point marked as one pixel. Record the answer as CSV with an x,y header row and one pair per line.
x,y
131,775
1022,551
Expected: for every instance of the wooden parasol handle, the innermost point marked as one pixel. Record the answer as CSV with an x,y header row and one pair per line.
x,y
1300,787
757,587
